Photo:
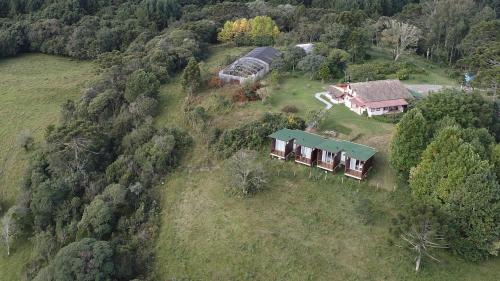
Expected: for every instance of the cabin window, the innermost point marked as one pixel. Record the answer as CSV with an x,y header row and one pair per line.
x,y
280,145
355,164
305,151
327,157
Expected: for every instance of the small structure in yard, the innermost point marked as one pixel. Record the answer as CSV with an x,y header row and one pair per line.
x,y
251,67
325,153
373,97
308,47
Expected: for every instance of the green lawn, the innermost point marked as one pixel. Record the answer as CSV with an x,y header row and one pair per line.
x,y
299,229
306,226
32,89
296,90
433,73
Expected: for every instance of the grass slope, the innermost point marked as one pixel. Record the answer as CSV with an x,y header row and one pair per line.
x,y
32,89
301,228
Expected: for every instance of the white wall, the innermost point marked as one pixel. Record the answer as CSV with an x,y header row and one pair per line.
x,y
381,111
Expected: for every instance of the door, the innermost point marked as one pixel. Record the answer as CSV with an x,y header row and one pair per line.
x,y
352,164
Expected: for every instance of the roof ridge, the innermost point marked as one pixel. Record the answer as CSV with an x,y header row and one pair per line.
x,y
360,144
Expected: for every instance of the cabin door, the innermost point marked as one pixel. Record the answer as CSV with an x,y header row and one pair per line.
x,y
352,164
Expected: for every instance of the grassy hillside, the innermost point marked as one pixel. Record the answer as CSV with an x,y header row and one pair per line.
x,y
32,89
305,226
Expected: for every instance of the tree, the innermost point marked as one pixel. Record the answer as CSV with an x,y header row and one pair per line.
x,y
161,11
453,176
245,173
400,36
408,142
292,56
191,77
97,219
420,228
358,44
87,259
468,110
10,228
260,30
324,72
139,83
311,64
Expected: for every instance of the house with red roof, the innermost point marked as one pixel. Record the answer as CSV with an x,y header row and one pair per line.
x,y
373,97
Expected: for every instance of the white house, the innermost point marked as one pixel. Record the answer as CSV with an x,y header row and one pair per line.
x,y
373,97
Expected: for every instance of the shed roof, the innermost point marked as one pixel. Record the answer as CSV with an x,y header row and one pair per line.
x,y
358,151
283,134
308,139
351,149
266,54
381,90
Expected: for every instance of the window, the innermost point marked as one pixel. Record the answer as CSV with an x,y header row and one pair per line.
x,y
355,164
305,151
377,109
280,145
327,157
386,108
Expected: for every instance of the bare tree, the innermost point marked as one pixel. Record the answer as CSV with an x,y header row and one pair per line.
x,y
419,229
400,37
9,229
246,174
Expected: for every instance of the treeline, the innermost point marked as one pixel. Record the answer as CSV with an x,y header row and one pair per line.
x,y
446,149
89,186
460,33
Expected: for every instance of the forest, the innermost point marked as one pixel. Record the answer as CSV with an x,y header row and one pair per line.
x,y
89,187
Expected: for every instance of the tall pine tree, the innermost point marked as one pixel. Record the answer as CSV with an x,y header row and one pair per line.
x,y
191,78
408,142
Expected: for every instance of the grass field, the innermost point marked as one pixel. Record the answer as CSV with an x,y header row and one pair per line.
x,y
32,89
433,73
301,227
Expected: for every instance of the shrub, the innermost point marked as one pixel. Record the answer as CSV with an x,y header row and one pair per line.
x,y
254,134
25,140
215,82
290,109
403,74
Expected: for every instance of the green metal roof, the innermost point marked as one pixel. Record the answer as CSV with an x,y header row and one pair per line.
x,y
283,134
358,151
354,150
307,139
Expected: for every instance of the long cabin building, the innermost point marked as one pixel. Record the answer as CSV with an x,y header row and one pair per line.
x,y
325,153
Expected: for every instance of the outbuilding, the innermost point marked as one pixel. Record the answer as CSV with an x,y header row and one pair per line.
x,y
251,67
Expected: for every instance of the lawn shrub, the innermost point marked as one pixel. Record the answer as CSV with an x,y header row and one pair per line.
x,y
254,135
389,118
403,74
290,109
